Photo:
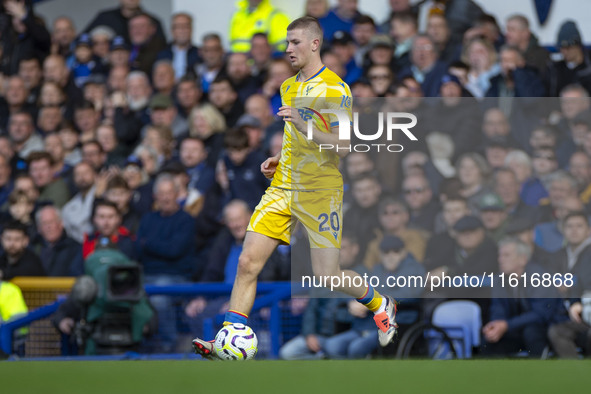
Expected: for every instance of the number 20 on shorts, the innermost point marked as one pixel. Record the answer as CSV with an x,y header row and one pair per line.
x,y
332,219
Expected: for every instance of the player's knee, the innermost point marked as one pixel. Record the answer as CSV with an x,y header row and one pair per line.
x,y
247,266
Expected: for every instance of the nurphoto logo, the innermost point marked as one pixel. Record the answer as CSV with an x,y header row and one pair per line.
x,y
393,123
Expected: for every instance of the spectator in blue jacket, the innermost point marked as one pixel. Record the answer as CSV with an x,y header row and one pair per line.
x,y
165,248
340,17
181,51
425,66
519,316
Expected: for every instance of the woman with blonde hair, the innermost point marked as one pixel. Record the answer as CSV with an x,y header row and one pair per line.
x,y
482,58
209,125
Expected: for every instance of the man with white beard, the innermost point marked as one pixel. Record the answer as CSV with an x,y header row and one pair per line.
x,y
131,108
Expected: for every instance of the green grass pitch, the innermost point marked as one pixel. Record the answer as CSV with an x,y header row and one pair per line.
x,y
370,376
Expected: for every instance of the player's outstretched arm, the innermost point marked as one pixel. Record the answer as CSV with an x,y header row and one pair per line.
x,y
290,114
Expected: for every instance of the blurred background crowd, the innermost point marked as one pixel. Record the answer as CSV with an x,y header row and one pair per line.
x,y
111,131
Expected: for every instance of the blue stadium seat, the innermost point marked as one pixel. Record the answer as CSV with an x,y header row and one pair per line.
x,y
461,321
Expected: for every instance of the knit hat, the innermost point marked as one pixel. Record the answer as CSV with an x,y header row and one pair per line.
x,y
568,35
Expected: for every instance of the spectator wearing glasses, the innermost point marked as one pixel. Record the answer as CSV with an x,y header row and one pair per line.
x,y
381,79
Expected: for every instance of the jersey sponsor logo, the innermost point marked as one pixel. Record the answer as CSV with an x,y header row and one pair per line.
x,y
346,101
308,113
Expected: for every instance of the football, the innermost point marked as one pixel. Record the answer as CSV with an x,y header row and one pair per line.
x,y
236,342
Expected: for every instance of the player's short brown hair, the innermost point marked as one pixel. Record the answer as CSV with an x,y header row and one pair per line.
x,y
309,24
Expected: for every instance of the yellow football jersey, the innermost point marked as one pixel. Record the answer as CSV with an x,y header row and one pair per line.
x,y
303,166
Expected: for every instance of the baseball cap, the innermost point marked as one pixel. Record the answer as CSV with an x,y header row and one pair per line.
x,y
250,121
95,79
84,39
133,160
160,101
468,223
341,37
450,78
119,43
491,202
381,41
391,242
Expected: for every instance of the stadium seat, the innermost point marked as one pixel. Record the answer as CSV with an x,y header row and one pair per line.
x,y
461,321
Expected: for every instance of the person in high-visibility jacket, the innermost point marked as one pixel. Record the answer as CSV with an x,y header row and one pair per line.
x,y
257,16
12,303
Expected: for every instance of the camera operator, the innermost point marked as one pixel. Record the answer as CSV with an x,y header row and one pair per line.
x,y
107,219
90,316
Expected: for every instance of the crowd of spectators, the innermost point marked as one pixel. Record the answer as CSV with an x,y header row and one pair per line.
x,y
108,130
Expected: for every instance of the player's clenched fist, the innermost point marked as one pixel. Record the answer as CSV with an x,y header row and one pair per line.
x,y
269,166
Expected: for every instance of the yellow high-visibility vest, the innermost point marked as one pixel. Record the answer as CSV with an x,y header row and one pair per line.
x,y
263,19
12,303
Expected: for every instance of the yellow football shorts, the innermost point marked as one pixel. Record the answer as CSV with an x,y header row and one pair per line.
x,y
319,211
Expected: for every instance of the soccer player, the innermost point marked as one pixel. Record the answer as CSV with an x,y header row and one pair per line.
x,y
307,186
